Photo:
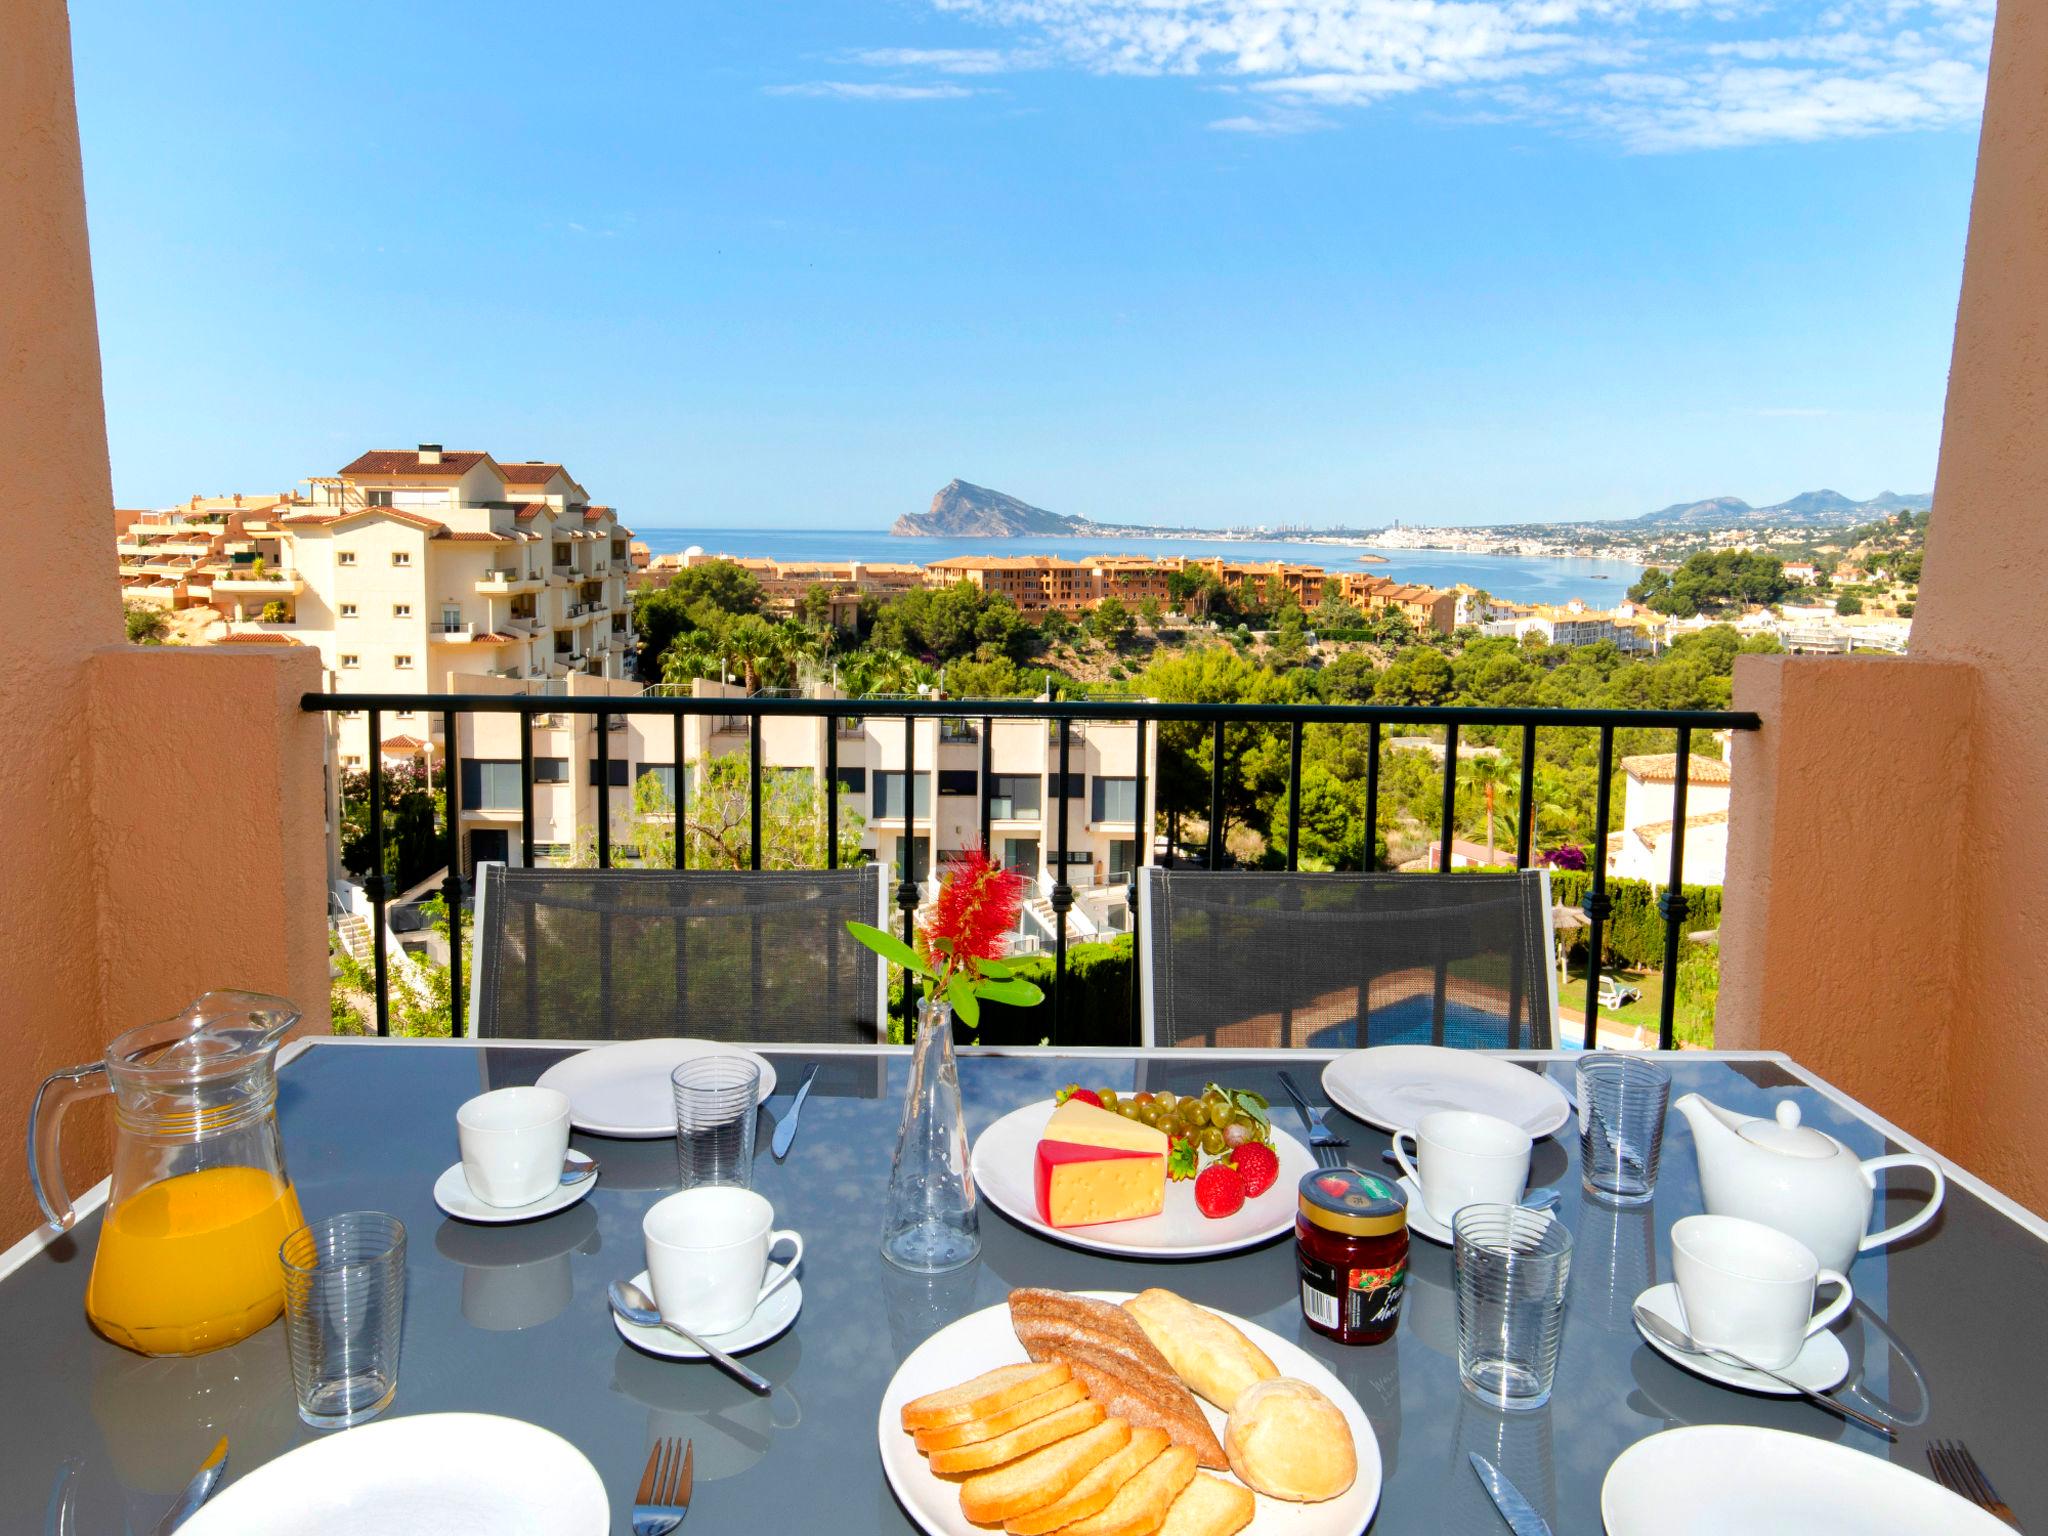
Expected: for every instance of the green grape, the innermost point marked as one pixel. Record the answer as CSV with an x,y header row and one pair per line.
x,y
1238,1132
1165,1100
1149,1113
1222,1115
1196,1112
1213,1142
1128,1110
1108,1097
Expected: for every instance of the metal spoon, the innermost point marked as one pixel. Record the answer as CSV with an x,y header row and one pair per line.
x,y
198,1490
636,1306
574,1172
1670,1333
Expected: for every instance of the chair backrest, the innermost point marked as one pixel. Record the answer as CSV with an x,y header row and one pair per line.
x,y
619,954
1254,960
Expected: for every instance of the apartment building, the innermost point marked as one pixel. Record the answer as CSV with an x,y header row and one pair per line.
x,y
919,828
1306,583
1425,608
785,583
1641,850
1035,583
173,557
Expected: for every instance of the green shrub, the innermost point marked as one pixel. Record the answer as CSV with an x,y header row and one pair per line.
x,y
1634,932
1095,1005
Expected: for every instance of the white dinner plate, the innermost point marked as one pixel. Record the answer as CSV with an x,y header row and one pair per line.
x,y
623,1089
1820,1366
1005,1170
984,1340
433,1474
452,1194
771,1320
1679,1483
1394,1086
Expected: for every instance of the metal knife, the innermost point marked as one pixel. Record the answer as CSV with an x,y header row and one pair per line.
x,y
1519,1513
785,1132
197,1491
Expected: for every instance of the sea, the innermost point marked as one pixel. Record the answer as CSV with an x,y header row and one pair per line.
x,y
1515,578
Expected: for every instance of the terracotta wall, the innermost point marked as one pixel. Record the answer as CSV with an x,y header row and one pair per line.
x,y
1917,927
123,774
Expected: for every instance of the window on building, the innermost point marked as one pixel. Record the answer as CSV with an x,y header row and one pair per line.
x,y
1074,856
348,610
1114,800
959,781
1123,859
403,714
1021,854
854,780
345,557
489,785
352,762
551,770
561,554
1077,784
402,662
1013,795
378,499
621,772
401,610
350,661
889,795
401,557
664,776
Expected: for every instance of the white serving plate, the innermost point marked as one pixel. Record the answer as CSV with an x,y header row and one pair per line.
x,y
1004,1165
984,1340
1678,1483
433,1474
1394,1086
623,1089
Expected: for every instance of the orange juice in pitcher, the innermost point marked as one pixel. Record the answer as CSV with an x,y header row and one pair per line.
x,y
200,1200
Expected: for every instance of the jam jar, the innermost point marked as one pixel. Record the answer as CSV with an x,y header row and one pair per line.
x,y
1351,1243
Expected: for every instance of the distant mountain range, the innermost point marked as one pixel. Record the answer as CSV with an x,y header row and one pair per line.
x,y
1817,509
963,511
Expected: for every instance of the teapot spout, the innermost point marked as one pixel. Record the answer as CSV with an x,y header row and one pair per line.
x,y
1709,1122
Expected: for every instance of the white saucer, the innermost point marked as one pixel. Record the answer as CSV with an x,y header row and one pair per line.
x,y
1821,1365
1420,1222
451,1193
770,1321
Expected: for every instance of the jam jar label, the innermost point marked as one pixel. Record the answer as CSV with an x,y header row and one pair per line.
x,y
1352,1300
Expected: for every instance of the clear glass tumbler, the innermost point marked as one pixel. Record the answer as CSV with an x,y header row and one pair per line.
x,y
344,1309
1621,1125
1510,1268
717,1101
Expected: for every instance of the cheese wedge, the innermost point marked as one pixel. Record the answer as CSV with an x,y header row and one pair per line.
x,y
1095,1166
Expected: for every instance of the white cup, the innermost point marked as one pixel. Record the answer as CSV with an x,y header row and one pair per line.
x,y
513,1144
1748,1289
707,1256
1465,1158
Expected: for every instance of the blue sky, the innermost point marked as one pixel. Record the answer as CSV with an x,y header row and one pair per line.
x,y
799,262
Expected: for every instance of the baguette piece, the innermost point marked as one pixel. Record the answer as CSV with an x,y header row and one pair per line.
x,y
1057,1425
1208,1506
1141,1505
988,1393
1002,1421
1042,1478
1109,1354
1207,1353
1095,1490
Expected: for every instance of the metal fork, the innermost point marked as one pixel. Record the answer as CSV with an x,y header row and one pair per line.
x,y
664,1496
1957,1471
1320,1136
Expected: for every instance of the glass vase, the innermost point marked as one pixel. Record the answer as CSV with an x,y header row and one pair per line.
x,y
929,1223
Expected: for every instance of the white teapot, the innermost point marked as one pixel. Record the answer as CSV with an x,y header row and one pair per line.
x,y
1797,1178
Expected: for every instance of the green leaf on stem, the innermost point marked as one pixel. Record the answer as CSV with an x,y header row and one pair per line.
x,y
995,970
1020,993
890,948
960,993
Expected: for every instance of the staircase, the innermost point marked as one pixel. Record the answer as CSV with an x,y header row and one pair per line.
x,y
353,930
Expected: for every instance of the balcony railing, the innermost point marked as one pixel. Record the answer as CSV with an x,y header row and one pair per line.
x,y
748,713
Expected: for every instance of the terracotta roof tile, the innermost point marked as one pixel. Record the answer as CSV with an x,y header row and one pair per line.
x,y
406,461
257,640
1662,768
531,472
406,744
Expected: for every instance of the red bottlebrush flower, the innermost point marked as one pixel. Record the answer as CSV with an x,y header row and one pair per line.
x,y
977,908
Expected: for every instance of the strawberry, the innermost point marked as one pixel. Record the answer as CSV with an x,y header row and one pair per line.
x,y
1260,1167
1076,1091
1183,1157
1333,1184
1220,1190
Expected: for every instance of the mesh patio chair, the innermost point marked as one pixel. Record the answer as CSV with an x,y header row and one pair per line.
x,y
628,954
1269,961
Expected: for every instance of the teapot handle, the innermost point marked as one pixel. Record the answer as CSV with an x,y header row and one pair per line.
x,y
1919,1218
45,1120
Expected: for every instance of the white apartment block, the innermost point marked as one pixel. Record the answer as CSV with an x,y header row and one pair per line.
x,y
944,802
1641,850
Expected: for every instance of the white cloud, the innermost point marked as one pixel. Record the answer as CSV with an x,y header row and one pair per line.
x,y
1274,122
1656,75
944,61
868,90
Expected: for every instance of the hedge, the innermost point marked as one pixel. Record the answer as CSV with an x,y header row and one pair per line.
x,y
1096,1008
1634,932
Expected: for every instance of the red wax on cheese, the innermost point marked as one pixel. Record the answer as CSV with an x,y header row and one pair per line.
x,y
1095,1166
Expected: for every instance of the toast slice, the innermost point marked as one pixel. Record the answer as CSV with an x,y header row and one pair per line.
x,y
1057,1425
1094,1491
1141,1505
1109,1354
988,1393
1041,1478
1002,1421
1208,1506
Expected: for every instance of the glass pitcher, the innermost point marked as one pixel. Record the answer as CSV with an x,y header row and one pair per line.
x,y
199,1200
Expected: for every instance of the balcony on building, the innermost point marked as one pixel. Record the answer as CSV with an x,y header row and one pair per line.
x,y
506,581
270,581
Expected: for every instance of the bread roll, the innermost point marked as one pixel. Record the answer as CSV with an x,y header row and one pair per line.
x,y
1286,1439
1204,1351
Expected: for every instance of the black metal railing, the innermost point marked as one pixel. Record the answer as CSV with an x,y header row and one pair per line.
x,y
746,715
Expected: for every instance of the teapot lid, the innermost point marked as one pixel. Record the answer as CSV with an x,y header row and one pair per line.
x,y
1785,1134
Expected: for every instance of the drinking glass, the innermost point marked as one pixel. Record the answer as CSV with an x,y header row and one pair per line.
x,y
344,1308
1621,1125
717,1098
1510,1267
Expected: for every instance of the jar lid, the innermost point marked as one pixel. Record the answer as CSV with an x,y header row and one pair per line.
x,y
1355,1203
